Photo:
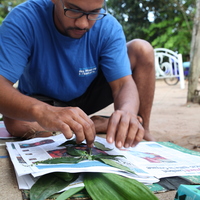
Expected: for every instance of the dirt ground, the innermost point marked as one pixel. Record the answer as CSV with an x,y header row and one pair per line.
x,y
172,119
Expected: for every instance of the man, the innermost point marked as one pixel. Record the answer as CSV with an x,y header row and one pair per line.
x,y
71,60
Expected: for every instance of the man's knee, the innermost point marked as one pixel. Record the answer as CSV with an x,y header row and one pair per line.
x,y
140,47
140,53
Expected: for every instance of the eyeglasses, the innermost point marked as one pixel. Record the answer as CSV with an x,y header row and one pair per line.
x,y
75,14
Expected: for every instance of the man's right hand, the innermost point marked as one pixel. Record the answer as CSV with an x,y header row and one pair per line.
x,y
66,120
26,113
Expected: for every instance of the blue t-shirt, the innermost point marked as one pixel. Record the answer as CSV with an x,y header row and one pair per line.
x,y
46,62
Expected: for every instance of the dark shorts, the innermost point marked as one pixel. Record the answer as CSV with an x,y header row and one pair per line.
x,y
97,97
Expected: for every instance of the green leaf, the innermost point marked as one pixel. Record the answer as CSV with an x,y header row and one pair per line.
x,y
100,146
61,160
106,156
65,175
71,142
76,152
69,193
112,186
46,186
115,164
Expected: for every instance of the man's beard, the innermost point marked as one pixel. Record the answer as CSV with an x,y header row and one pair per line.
x,y
67,31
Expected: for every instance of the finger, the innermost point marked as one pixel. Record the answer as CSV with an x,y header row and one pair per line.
x,y
85,131
140,119
89,123
80,123
112,128
139,136
131,132
84,128
123,129
56,124
65,129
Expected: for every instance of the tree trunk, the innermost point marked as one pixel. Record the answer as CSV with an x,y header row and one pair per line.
x,y
193,92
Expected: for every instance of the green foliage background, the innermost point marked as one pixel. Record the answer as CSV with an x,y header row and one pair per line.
x,y
6,6
171,28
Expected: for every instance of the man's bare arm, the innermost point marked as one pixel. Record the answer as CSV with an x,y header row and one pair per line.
x,y
17,106
124,127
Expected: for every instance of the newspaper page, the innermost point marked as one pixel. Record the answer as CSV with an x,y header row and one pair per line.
x,y
161,161
24,154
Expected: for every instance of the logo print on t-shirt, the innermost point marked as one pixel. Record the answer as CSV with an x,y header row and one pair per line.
x,y
87,71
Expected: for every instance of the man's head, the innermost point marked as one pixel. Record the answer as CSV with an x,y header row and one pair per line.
x,y
74,18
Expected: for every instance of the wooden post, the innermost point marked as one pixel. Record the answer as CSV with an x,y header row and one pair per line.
x,y
192,95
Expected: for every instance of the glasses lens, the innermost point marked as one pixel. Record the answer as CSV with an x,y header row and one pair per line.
x,y
77,14
95,16
73,14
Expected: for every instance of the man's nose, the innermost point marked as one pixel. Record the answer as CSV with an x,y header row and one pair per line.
x,y
82,22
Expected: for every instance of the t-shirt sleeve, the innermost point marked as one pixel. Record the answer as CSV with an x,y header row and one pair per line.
x,y
14,45
114,59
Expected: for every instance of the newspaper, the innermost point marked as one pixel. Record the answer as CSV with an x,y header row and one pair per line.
x,y
161,161
149,160
25,154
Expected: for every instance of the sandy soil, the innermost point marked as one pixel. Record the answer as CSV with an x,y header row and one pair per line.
x,y
172,119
